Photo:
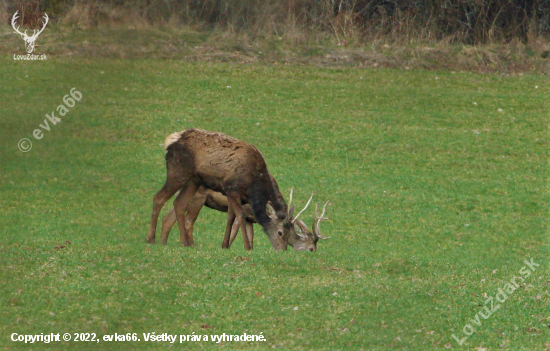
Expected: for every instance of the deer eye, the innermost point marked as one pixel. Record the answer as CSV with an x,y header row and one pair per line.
x,y
280,233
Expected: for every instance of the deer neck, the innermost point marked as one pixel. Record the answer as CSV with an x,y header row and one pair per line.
x,y
265,189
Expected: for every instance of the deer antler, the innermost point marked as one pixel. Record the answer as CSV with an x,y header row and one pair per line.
x,y
290,200
299,213
318,219
13,19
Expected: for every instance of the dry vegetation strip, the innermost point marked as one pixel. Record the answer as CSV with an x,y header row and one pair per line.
x,y
485,36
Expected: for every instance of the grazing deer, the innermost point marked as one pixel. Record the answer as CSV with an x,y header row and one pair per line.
x,y
196,158
301,239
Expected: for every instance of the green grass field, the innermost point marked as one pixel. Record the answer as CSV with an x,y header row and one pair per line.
x,y
438,198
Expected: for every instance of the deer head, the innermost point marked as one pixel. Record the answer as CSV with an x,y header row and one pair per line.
x,y
278,228
301,239
29,40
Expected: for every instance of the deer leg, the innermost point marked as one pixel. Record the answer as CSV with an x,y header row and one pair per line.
x,y
194,207
193,210
160,198
230,221
180,205
234,200
234,231
167,223
250,230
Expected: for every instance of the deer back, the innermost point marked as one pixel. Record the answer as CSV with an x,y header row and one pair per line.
x,y
217,161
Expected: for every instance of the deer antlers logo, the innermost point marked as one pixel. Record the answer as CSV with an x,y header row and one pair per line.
x,y
29,40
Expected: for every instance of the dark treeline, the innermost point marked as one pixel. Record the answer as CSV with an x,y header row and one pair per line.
x,y
466,21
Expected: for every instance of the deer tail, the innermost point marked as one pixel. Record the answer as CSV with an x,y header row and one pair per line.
x,y
172,138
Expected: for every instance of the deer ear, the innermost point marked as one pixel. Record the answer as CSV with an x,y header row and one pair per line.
x,y
271,213
298,230
302,223
291,211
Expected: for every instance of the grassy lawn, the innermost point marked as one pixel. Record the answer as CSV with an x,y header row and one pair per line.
x,y
438,183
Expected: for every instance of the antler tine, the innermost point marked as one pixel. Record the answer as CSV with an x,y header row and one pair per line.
x,y
323,237
324,209
318,219
290,200
317,210
299,213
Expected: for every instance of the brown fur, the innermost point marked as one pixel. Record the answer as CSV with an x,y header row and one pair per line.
x,y
234,168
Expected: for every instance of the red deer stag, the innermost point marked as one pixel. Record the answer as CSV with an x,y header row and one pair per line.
x,y
301,239
195,158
